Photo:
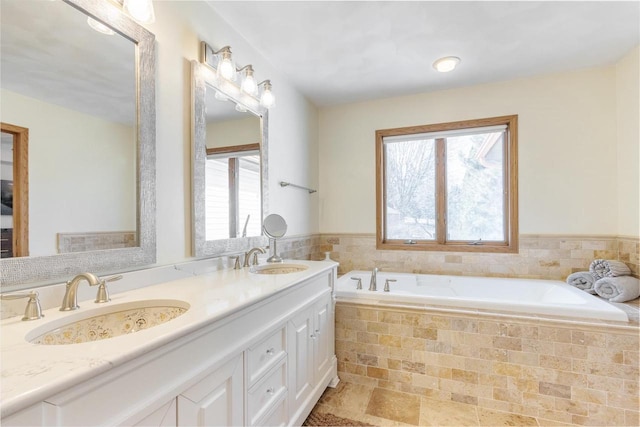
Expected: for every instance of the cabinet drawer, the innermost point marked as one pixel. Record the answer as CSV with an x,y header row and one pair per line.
x,y
266,393
264,355
277,417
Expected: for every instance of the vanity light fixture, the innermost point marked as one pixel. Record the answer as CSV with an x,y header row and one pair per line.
x,y
221,96
226,68
99,26
253,96
267,99
140,10
446,64
248,81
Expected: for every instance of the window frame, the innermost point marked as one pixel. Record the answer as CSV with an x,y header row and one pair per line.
x,y
510,176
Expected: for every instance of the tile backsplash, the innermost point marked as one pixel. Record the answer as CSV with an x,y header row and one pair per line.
x,y
539,256
94,241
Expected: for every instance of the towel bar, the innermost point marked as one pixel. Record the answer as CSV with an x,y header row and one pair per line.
x,y
285,184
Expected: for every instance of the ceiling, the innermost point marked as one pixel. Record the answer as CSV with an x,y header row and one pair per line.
x,y
338,52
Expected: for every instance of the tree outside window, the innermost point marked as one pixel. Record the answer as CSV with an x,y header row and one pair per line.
x,y
450,186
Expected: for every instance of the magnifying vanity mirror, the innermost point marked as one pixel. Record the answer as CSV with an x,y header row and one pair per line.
x,y
229,142
78,141
274,227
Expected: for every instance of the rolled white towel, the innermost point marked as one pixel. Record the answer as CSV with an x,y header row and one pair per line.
x,y
618,289
582,280
608,268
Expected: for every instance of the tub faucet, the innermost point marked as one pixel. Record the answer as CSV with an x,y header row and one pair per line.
x,y
70,300
373,284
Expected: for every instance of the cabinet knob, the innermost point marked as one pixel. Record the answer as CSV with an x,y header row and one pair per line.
x,y
313,336
270,390
271,351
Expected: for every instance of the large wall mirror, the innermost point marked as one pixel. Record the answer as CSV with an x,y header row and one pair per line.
x,y
78,89
229,141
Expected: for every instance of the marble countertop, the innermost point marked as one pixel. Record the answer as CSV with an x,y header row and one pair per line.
x,y
32,372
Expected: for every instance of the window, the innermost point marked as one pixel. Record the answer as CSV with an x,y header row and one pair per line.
x,y
233,192
449,186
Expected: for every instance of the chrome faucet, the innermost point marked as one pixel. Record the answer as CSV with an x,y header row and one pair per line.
x,y
253,252
373,284
70,300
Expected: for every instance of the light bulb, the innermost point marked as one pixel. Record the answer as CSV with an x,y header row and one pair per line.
x,y
99,26
140,10
227,70
249,84
267,99
220,96
444,65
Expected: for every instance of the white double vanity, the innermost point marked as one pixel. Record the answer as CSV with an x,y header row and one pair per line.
x,y
244,349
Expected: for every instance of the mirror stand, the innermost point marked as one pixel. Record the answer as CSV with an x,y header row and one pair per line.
x,y
275,258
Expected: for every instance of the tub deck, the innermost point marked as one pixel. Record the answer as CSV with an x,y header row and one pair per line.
x,y
522,296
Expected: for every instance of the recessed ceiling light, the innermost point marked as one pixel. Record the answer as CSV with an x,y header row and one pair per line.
x,y
446,64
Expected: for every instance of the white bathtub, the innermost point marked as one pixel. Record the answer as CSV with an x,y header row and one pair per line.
x,y
523,296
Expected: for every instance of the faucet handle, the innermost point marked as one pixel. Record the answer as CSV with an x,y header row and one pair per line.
x,y
254,261
236,264
358,283
386,284
33,311
103,292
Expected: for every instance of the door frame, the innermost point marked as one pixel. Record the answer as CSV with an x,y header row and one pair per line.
x,y
20,188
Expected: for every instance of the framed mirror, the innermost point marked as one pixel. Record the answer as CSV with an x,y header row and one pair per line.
x,y
78,77
229,169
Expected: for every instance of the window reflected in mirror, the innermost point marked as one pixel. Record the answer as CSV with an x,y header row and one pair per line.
x,y
233,192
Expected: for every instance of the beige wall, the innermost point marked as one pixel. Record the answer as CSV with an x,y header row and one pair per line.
x,y
567,149
292,152
234,132
628,120
72,189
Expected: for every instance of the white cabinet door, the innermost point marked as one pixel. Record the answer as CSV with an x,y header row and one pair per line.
x,y
165,416
217,400
322,336
300,344
310,351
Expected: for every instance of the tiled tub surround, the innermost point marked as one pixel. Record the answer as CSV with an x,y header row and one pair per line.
x,y
539,256
583,373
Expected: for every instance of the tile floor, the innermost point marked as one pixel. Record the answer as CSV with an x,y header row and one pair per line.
x,y
381,407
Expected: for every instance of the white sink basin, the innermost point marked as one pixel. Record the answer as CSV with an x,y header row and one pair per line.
x,y
107,322
278,268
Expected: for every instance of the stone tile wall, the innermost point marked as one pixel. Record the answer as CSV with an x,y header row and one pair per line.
x,y
82,242
539,257
565,372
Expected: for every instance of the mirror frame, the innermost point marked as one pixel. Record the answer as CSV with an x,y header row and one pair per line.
x,y
17,272
203,76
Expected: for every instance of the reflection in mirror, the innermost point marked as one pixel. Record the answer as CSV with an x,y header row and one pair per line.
x,y
87,100
229,168
233,189
73,88
275,226
14,169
